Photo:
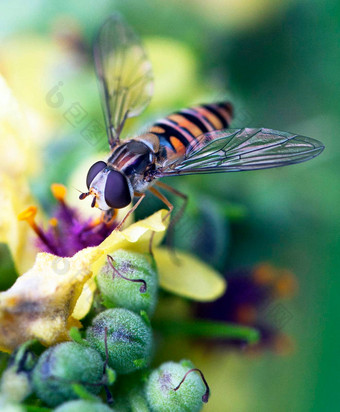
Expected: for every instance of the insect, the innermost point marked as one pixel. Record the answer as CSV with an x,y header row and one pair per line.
x,y
190,141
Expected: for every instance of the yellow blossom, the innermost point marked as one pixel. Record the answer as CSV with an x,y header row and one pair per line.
x,y
40,303
15,197
19,159
15,137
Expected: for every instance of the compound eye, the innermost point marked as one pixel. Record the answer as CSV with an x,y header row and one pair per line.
x,y
93,171
117,192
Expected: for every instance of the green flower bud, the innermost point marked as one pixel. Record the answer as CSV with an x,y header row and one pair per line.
x,y
83,406
10,406
15,385
15,382
125,335
176,387
129,280
63,365
129,392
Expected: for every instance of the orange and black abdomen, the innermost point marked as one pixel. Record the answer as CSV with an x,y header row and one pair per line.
x,y
181,129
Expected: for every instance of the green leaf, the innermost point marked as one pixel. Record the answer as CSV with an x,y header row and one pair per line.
x,y
110,375
83,393
32,408
75,335
145,317
207,329
140,363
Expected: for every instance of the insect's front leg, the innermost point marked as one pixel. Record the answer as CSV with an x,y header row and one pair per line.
x,y
134,207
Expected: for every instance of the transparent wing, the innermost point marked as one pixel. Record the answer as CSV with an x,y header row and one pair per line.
x,y
232,150
124,73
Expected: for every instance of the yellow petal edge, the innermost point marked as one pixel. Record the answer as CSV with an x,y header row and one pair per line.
x,y
187,276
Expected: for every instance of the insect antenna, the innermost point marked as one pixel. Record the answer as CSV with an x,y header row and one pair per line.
x,y
82,195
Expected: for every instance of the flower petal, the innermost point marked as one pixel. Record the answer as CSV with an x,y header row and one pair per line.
x,y
136,237
18,156
40,303
15,197
187,276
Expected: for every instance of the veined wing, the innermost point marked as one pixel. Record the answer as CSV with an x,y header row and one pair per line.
x,y
233,150
124,74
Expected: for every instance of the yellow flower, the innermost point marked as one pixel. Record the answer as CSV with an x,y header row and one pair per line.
x,y
52,296
40,303
15,143
19,159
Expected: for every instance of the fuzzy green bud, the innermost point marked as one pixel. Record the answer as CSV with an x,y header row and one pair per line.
x,y
81,405
125,337
176,387
10,406
63,365
15,382
15,385
129,280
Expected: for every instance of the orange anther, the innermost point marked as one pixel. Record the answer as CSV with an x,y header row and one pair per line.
x,y
28,214
59,191
53,222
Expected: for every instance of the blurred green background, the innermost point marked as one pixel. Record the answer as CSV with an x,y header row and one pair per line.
x,y
279,63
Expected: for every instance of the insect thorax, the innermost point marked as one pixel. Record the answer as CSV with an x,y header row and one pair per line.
x,y
134,158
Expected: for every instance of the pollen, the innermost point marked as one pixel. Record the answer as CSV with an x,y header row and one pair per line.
x,y
59,191
53,221
28,214
95,222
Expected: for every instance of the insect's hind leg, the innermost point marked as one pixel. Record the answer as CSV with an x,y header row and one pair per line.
x,y
179,214
160,196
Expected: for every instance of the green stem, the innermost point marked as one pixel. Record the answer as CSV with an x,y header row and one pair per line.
x,y
207,329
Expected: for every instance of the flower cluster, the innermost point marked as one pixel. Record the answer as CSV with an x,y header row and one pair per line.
x,y
118,341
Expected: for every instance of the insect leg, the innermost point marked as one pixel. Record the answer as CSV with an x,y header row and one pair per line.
x,y
161,197
134,207
179,214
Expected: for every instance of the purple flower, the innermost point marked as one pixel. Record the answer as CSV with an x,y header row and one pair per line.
x,y
67,232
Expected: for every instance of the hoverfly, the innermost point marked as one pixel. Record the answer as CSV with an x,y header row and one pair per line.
x,y
190,141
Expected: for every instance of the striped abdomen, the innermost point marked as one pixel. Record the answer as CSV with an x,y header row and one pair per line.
x,y
181,129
